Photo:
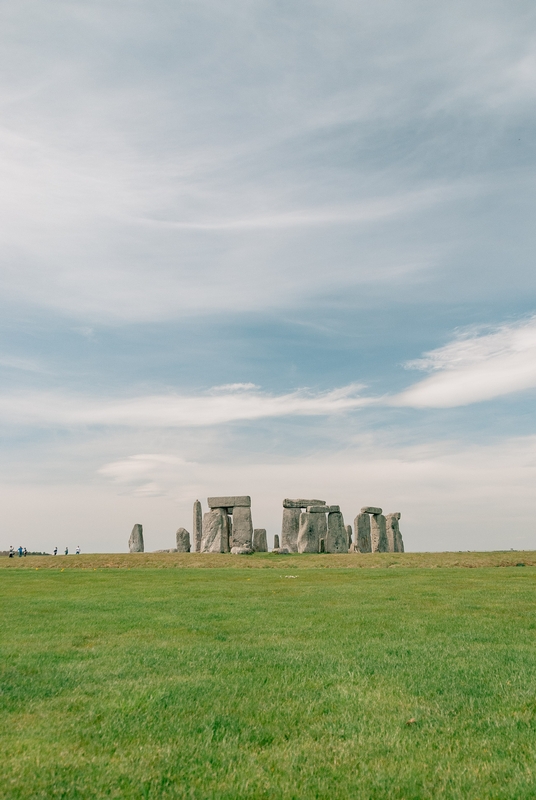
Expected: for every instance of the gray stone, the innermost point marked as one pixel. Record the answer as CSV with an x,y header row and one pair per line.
x,y
378,534
241,551
242,534
313,527
302,503
371,510
183,541
260,545
337,536
135,543
394,537
322,509
229,502
349,536
362,542
276,542
197,527
215,532
290,528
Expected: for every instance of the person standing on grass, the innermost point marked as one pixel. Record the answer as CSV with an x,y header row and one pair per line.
x,y
20,551
78,550
25,552
66,551
11,551
56,550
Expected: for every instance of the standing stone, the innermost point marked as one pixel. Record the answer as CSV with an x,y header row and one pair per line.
x,y
260,545
349,536
242,530
362,543
337,537
313,527
392,523
198,527
215,531
135,543
276,542
290,528
378,534
183,541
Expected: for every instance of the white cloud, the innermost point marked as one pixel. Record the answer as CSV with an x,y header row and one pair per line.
x,y
476,366
231,404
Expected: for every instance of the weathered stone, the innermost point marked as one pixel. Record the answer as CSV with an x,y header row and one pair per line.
x,y
197,527
260,545
371,510
241,551
362,542
290,528
322,509
378,534
229,502
276,542
215,532
183,541
394,537
242,527
337,536
135,543
302,503
313,527
349,536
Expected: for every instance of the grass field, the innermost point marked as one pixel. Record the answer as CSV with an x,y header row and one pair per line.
x,y
146,682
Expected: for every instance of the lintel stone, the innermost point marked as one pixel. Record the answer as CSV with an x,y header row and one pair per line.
x,y
240,501
302,503
371,510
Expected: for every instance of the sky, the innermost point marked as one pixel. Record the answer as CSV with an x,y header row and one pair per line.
x,y
283,249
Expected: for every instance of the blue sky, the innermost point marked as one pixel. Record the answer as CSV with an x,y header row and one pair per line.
x,y
278,249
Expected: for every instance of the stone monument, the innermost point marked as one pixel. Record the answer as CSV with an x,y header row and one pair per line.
x,y
135,543
183,541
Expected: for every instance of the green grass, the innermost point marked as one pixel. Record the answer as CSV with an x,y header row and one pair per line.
x,y
242,683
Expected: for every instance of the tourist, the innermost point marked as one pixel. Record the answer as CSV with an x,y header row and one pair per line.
x,y
66,551
24,552
20,551
56,550
11,551
78,550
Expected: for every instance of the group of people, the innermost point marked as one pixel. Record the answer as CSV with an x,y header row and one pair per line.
x,y
22,551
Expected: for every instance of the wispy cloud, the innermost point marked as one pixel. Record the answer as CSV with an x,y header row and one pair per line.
x,y
230,404
478,365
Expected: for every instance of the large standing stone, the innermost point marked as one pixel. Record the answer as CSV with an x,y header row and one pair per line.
x,y
183,541
276,542
313,528
290,528
260,545
198,527
362,543
229,502
242,528
349,538
393,532
337,535
378,534
215,531
135,543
